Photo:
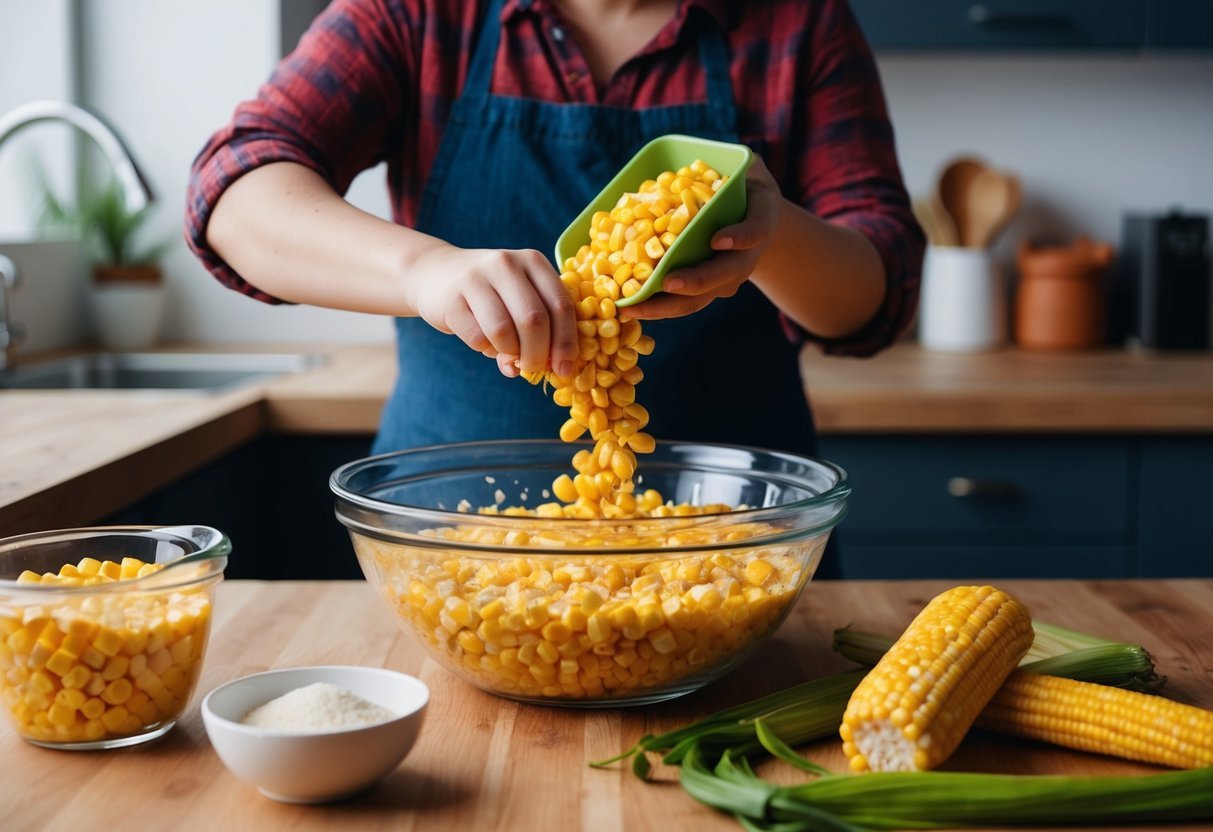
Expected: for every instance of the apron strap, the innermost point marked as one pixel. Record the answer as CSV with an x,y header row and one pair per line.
x,y
480,72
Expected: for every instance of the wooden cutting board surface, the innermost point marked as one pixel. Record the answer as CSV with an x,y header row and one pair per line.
x,y
486,763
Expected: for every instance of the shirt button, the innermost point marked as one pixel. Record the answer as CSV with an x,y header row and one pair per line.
x,y
557,33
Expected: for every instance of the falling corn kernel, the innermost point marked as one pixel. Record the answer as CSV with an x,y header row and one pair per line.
x,y
624,246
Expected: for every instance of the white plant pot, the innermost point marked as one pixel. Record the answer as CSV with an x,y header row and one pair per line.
x,y
127,316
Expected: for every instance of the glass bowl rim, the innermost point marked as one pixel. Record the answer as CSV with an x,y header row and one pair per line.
x,y
835,494
213,557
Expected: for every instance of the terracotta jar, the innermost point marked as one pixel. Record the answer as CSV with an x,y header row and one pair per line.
x,y
1060,303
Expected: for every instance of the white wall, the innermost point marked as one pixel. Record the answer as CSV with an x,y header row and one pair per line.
x,y
1090,137
35,62
170,74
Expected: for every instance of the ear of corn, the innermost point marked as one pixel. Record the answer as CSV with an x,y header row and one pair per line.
x,y
911,712
1101,719
1087,711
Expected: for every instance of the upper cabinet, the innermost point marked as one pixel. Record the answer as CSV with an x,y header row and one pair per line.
x,y
294,16
1031,25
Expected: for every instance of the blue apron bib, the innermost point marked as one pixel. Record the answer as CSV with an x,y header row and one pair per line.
x,y
511,173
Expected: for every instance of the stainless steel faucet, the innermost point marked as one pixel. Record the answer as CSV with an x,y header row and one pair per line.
x,y
135,189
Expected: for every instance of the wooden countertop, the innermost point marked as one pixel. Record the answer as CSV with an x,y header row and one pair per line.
x,y
68,457
911,390
490,764
905,389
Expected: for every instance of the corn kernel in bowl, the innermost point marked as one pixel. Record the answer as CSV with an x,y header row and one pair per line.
x,y
594,628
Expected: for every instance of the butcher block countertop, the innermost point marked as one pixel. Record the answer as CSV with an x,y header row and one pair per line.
x,y
73,456
486,763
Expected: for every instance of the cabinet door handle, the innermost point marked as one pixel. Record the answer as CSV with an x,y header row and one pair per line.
x,y
980,15
973,488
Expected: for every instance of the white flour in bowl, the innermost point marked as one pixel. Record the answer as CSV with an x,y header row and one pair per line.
x,y
317,707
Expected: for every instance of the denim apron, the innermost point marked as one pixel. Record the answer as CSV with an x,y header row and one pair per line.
x,y
512,173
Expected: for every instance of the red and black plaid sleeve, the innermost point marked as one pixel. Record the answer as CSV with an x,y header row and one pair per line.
x,y
337,104
847,173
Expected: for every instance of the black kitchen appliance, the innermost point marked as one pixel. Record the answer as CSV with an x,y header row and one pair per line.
x,y
1161,297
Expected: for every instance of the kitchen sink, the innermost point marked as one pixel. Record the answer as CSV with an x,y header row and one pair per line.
x,y
155,371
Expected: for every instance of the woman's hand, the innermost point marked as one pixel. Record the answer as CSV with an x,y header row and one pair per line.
x,y
509,305
741,246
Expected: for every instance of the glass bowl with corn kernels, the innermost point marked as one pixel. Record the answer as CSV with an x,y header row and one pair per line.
x,y
472,551
103,630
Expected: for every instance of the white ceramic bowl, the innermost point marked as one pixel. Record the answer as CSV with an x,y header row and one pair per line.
x,y
314,767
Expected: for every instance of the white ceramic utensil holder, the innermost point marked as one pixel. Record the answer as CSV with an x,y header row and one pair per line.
x,y
963,302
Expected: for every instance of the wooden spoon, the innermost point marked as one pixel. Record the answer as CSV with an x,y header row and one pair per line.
x,y
936,222
994,200
955,191
945,227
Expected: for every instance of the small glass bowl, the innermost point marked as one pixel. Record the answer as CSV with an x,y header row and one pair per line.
x,y
588,612
113,664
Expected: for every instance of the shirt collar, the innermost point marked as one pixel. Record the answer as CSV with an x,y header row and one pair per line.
x,y
722,11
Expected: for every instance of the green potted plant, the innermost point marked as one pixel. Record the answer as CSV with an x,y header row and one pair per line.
x,y
127,293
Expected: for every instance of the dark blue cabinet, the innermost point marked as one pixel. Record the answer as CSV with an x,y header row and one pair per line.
x,y
976,561
1029,25
1179,25
1026,506
1013,487
1176,507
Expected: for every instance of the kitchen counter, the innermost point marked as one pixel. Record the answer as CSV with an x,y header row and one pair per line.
x,y
490,764
72,456
907,389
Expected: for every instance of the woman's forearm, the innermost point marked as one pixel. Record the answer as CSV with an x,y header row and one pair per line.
x,y
285,230
827,278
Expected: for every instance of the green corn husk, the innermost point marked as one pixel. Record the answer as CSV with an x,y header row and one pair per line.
x,y
938,800
808,711
1055,652
1051,640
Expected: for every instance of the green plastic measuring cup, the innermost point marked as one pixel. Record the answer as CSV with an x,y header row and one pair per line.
x,y
693,245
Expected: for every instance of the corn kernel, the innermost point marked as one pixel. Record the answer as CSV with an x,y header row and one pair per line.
x,y
77,677
115,719
61,662
61,715
92,709
117,692
758,571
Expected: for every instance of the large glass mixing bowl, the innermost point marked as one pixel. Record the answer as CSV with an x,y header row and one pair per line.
x,y
588,612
